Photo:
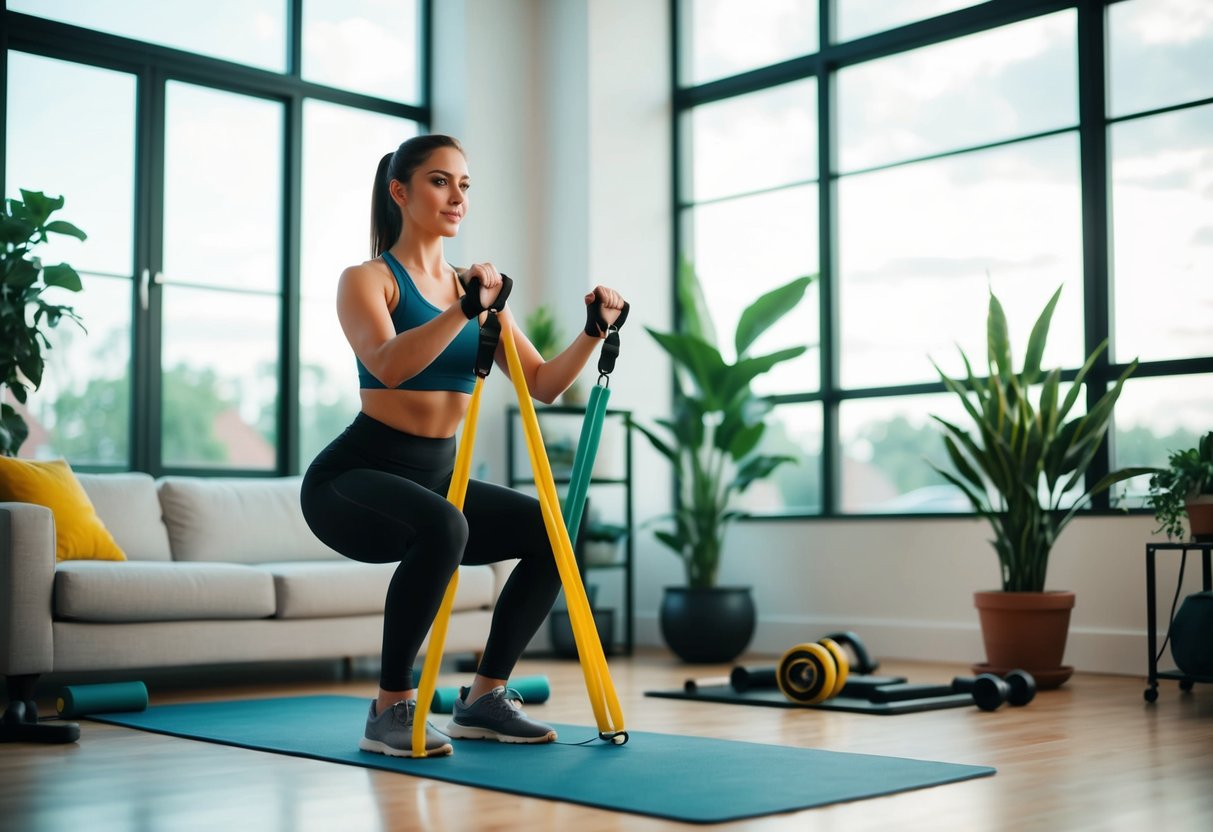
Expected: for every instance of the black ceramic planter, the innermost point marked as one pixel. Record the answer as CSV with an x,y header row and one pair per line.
x,y
707,625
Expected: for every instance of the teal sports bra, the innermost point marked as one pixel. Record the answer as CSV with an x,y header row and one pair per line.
x,y
453,368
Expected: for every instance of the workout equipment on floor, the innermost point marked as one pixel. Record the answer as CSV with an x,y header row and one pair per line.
x,y
835,673
687,779
20,724
534,690
601,689
1018,687
813,672
989,692
78,700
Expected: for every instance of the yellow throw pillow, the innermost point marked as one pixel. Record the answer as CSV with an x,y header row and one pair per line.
x,y
79,532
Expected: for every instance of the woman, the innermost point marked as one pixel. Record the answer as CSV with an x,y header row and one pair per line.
x,y
377,493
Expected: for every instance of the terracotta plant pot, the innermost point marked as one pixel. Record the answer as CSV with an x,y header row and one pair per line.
x,y
1025,630
1200,517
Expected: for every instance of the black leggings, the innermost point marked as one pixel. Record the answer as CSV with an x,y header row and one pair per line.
x,y
378,495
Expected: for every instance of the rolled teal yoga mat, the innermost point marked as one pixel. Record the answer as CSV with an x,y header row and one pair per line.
x,y
690,779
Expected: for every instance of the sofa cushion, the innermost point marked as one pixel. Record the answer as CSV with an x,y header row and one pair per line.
x,y
238,520
139,591
347,587
79,532
128,506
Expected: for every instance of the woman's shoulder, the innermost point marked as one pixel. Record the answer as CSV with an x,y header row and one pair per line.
x,y
374,269
371,277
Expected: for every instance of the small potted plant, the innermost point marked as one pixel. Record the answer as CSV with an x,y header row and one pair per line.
x,y
603,543
1184,489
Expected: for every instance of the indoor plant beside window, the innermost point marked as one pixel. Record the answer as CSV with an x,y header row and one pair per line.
x,y
1023,469
1184,489
711,440
24,313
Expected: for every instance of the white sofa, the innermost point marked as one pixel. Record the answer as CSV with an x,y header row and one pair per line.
x,y
218,570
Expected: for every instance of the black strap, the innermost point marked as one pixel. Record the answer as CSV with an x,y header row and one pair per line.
x,y
608,354
490,330
610,344
490,334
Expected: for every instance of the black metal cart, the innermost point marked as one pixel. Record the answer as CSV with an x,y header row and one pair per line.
x,y
1186,681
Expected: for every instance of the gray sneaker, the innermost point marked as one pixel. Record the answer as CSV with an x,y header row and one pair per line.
x,y
391,732
496,716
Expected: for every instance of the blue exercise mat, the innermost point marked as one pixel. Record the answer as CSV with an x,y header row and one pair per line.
x,y
690,779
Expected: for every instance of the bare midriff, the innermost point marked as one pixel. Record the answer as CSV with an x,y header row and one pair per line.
x,y
432,413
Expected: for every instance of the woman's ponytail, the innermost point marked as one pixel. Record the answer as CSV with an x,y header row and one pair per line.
x,y
385,214
386,222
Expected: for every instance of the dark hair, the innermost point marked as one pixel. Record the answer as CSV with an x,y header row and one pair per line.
x,y
386,221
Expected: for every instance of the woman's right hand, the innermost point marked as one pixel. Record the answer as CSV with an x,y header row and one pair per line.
x,y
490,282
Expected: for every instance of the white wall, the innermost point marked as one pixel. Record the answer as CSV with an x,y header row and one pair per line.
x,y
564,106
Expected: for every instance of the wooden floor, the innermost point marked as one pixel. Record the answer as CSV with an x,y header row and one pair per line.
x,y
1092,756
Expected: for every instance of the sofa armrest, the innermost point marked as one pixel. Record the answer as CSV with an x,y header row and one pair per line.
x,y
27,578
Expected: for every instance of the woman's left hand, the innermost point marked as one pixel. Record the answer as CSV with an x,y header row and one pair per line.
x,y
611,305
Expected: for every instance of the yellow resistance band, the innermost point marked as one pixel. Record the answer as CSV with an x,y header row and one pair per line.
x,y
433,654
599,686
601,689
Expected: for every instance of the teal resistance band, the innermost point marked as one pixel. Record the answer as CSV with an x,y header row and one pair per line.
x,y
583,462
591,426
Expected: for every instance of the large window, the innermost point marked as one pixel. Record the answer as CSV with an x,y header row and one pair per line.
x,y
223,180
918,154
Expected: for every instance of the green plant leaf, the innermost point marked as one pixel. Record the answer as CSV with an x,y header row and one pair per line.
x,y
695,318
998,341
699,359
40,206
1036,341
756,468
13,430
658,443
961,464
743,441
763,313
734,380
61,227
20,273
63,276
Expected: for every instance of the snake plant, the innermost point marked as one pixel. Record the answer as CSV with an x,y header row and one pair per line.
x,y
1025,456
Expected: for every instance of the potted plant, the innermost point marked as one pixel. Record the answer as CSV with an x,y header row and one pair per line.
x,y
1184,489
24,224
711,440
1023,469
603,542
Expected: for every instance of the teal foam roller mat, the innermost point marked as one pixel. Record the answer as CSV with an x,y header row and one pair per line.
x,y
115,697
534,690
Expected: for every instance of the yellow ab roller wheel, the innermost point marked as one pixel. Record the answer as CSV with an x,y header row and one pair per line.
x,y
813,672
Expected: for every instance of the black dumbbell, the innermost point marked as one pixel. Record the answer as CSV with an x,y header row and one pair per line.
x,y
989,691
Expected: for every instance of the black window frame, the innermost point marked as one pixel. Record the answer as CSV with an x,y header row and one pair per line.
x,y
153,66
1094,176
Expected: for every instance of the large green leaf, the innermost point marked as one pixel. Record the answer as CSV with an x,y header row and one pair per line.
x,y
734,380
61,227
696,319
756,468
63,276
998,341
1036,342
699,359
658,443
763,313
40,206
